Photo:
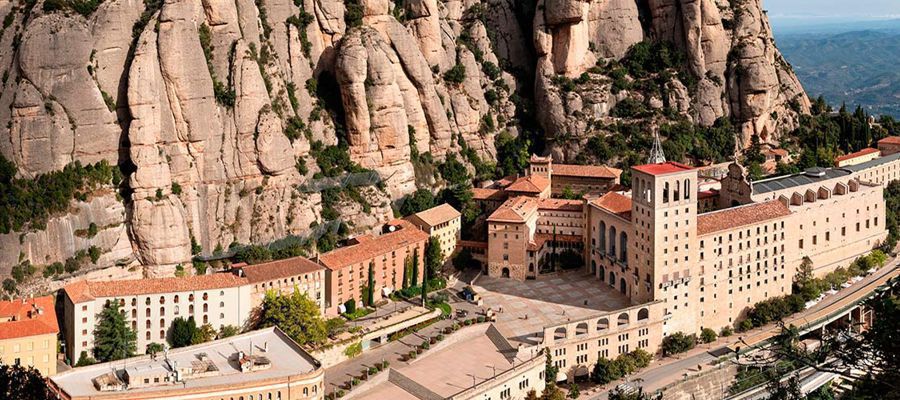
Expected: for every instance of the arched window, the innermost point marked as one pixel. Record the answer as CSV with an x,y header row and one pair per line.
x,y
623,319
162,299
148,311
134,314
623,248
666,192
677,191
191,297
687,189
148,324
205,307
147,335
134,301
191,309
147,301
612,241
176,298
643,314
162,322
162,311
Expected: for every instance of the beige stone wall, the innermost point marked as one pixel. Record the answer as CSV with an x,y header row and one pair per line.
x,y
508,247
565,222
312,284
881,174
37,351
447,234
151,316
580,185
577,345
741,267
610,268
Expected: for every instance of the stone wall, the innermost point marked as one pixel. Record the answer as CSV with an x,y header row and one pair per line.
x,y
712,384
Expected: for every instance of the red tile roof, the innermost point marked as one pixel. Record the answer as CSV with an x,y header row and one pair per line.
x,y
280,269
529,184
614,203
515,210
777,152
587,171
890,140
83,291
437,215
560,204
488,194
24,319
705,194
863,152
406,235
663,168
730,218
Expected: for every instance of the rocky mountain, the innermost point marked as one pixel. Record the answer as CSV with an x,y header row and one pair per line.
x,y
216,111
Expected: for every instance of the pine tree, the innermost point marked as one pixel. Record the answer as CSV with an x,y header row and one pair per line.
x,y
370,296
113,338
183,331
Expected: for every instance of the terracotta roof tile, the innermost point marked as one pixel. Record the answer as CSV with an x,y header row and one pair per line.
x,y
488,194
271,271
560,204
740,216
890,140
438,215
588,171
663,168
25,320
386,243
516,210
83,291
705,194
863,152
529,184
614,203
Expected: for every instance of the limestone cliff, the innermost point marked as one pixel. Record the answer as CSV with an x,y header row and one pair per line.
x,y
216,110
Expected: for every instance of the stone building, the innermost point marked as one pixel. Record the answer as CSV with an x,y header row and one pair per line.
x,y
889,145
347,268
150,306
442,223
28,329
586,179
285,276
264,364
859,157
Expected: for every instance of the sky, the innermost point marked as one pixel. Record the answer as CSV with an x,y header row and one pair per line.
x,y
827,11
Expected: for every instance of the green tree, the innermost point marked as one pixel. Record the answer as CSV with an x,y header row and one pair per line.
x,y
708,335
370,295
415,268
228,331
334,326
84,360
407,264
433,257
550,370
623,394
678,342
154,348
18,382
113,338
552,392
203,334
296,315
463,259
182,332
573,391
605,371
420,200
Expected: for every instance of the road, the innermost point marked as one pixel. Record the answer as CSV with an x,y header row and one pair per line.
x,y
668,371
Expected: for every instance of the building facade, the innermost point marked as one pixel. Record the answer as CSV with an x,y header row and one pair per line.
x,y
150,306
859,157
284,277
28,329
442,223
389,254
889,145
259,365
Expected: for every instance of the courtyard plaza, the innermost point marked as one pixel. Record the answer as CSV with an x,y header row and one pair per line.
x,y
524,308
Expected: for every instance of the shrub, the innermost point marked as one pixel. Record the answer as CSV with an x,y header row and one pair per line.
x,y
678,342
707,335
455,75
490,70
726,331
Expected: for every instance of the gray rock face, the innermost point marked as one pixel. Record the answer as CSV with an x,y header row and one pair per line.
x,y
212,105
739,72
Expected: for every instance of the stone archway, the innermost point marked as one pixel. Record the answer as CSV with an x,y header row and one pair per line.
x,y
504,273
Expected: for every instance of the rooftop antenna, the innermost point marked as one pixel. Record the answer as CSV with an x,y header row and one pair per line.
x,y
656,153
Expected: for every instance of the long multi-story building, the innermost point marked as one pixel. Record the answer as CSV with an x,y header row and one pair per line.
x,y
388,254
150,305
28,329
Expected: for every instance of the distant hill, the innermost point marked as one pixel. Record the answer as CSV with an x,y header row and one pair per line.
x,y
856,67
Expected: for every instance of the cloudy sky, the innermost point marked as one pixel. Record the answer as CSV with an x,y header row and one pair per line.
x,y
832,9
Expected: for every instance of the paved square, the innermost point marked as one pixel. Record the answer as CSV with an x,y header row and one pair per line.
x,y
529,306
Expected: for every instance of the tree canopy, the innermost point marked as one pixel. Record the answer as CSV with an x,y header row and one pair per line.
x,y
113,338
18,382
182,332
296,315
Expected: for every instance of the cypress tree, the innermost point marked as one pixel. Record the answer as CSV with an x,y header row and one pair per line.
x,y
415,268
370,296
406,266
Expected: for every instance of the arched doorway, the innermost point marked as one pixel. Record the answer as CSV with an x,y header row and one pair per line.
x,y
622,286
505,273
612,279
